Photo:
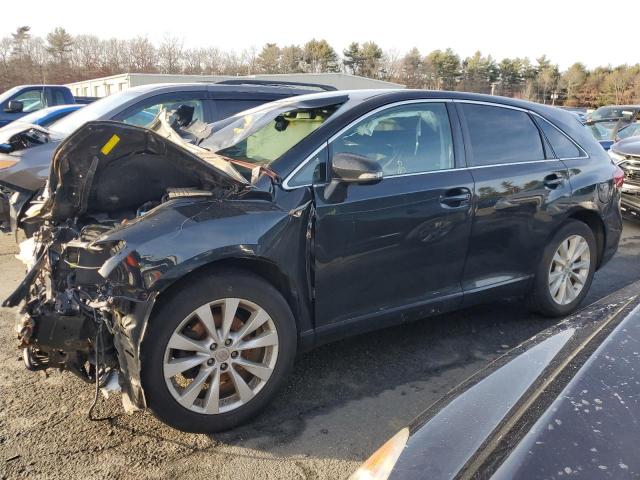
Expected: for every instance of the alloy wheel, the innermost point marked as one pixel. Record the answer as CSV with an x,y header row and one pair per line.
x,y
220,356
569,269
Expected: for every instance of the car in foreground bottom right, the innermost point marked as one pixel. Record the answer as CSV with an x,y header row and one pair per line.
x,y
564,403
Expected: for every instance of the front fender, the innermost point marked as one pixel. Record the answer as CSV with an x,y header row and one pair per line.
x,y
181,236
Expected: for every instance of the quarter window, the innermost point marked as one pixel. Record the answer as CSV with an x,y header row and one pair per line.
x,y
501,135
561,145
404,139
313,172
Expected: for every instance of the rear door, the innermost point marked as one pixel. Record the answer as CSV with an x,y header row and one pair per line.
x,y
398,246
521,194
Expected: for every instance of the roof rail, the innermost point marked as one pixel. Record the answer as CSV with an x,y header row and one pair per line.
x,y
277,83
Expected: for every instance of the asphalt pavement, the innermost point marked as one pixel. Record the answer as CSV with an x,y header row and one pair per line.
x,y
342,402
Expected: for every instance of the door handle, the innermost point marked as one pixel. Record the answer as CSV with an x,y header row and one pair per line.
x,y
553,180
456,197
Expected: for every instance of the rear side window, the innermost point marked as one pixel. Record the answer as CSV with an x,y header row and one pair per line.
x,y
226,108
59,98
561,145
501,135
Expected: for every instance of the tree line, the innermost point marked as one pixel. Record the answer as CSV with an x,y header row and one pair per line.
x,y
63,58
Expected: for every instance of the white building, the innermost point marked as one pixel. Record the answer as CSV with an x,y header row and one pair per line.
x,y
101,87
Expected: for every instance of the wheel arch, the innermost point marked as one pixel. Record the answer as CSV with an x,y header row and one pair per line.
x,y
594,221
259,266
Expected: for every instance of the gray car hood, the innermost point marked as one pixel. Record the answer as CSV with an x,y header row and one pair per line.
x,y
628,146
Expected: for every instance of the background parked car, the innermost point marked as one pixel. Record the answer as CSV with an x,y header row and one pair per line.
x,y
579,112
563,404
48,115
12,136
299,222
25,169
626,154
630,130
18,101
605,122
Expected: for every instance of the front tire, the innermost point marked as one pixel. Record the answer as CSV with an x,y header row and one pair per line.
x,y
565,273
217,351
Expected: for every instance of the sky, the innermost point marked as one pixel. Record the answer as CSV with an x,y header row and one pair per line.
x,y
565,30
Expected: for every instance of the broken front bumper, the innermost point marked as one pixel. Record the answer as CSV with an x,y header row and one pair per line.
x,y
630,200
58,329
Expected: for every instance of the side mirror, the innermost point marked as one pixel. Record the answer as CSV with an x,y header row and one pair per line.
x,y
14,106
352,168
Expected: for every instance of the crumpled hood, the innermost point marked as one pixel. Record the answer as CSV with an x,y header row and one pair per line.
x,y
109,166
15,128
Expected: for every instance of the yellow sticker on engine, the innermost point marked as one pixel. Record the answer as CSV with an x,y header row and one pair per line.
x,y
107,147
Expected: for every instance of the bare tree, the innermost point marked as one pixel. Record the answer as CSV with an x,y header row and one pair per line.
x,y
143,56
61,58
214,61
170,54
193,61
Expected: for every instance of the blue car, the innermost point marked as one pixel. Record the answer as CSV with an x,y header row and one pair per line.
x,y
47,116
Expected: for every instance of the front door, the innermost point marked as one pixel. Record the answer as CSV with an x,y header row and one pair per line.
x,y
381,249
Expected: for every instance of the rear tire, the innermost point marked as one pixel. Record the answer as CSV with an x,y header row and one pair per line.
x,y
565,272
217,351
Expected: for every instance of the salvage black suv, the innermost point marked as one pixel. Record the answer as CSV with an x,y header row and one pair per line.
x,y
194,272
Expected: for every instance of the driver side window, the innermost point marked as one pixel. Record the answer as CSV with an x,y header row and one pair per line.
x,y
32,100
406,139
144,115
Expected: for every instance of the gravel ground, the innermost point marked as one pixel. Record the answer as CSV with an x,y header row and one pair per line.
x,y
341,403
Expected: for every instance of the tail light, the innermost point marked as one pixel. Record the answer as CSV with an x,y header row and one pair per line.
x,y
618,177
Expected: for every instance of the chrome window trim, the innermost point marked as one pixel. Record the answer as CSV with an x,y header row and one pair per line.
x,y
285,183
474,167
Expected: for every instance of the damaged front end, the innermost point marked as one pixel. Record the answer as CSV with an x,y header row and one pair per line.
x,y
84,300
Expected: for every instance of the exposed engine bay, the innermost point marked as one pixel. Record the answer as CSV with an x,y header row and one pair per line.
x,y
79,286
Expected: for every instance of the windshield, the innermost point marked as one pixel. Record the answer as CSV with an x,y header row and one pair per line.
x,y
630,131
93,111
602,131
262,135
611,112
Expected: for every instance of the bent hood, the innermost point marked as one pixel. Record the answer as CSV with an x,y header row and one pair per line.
x,y
109,166
9,132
